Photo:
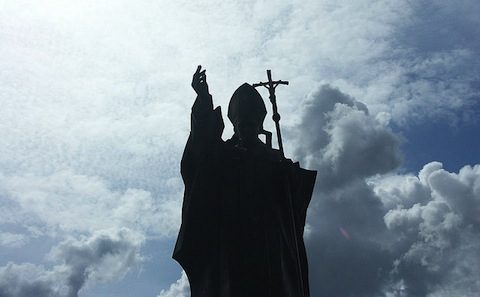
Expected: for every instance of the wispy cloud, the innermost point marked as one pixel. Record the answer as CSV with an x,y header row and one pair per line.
x,y
69,203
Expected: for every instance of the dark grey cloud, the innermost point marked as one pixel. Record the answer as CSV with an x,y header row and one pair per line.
x,y
374,233
340,139
104,256
26,280
110,255
348,241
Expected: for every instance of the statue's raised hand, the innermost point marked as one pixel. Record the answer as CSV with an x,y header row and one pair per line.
x,y
199,82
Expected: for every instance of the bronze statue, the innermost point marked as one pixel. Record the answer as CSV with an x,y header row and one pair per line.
x,y
244,205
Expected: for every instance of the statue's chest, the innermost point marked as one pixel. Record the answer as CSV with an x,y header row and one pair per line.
x,y
248,187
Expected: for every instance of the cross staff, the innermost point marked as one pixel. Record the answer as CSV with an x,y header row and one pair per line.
x,y
271,85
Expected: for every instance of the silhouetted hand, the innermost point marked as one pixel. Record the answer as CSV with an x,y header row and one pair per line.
x,y
199,82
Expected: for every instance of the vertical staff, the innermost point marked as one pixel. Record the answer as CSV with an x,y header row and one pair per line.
x,y
271,85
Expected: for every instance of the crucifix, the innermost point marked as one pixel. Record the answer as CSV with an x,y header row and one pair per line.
x,y
271,85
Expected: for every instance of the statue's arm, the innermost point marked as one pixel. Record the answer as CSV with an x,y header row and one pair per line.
x,y
206,122
203,104
206,126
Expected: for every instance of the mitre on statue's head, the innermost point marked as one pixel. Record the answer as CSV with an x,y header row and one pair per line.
x,y
246,105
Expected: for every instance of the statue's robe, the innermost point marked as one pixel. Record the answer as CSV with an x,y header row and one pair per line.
x,y
243,215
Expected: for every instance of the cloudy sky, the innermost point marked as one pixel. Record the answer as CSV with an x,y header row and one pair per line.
x,y
384,101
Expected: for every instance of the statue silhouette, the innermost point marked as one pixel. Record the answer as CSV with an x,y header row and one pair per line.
x,y
244,205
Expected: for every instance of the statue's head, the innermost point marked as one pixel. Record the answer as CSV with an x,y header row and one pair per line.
x,y
247,111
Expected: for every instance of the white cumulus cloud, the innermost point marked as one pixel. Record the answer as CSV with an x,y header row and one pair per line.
x,y
438,236
180,288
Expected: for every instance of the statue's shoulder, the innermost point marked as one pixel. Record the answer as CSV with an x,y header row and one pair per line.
x,y
274,154
270,154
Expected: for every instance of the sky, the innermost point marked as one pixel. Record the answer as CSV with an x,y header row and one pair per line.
x,y
383,101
